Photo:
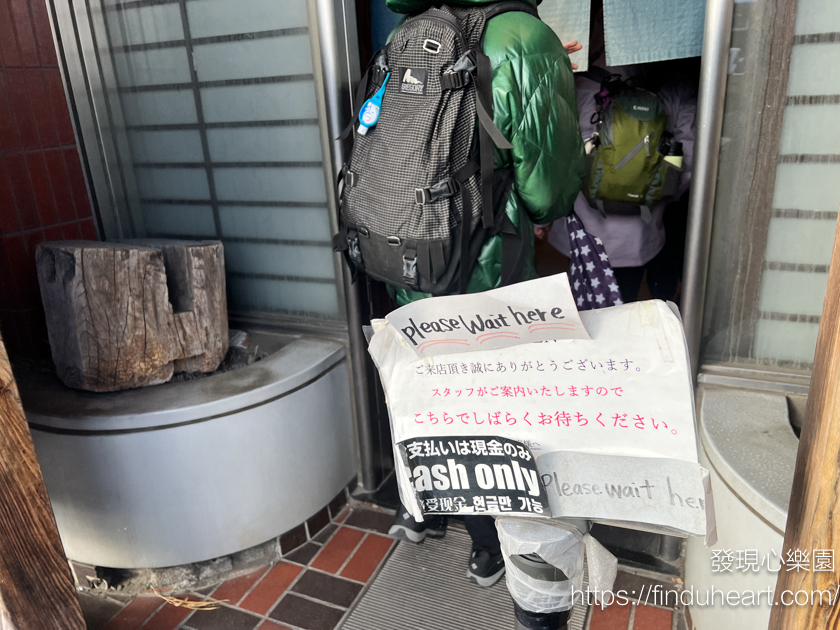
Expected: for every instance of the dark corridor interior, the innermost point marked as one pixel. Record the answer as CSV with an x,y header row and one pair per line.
x,y
659,278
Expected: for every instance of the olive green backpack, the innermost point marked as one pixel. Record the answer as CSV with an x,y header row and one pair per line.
x,y
625,164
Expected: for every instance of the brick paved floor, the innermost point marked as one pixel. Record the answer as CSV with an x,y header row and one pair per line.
x,y
311,588
648,603
314,586
630,616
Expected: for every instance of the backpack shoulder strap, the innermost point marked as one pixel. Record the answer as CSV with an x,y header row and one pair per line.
x,y
489,134
497,8
596,74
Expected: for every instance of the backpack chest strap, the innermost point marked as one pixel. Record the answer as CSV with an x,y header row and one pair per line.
x,y
442,190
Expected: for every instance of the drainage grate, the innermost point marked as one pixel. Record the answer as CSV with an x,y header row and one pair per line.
x,y
424,587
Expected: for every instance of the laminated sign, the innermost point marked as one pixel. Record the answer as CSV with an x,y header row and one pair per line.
x,y
510,402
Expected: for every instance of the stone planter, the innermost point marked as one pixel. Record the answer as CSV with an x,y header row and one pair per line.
x,y
189,471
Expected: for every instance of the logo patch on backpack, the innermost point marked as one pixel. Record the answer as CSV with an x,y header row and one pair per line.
x,y
413,81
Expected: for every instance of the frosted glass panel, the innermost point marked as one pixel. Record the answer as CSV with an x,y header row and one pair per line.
x,y
169,107
817,16
169,220
277,101
221,125
810,71
276,56
165,146
292,297
800,241
225,17
152,67
271,184
285,260
143,25
172,183
811,129
786,341
807,186
793,292
304,224
299,143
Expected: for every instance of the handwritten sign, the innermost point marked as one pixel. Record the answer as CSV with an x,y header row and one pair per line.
x,y
622,393
661,493
538,310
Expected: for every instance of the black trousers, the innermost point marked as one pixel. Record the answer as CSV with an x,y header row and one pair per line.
x,y
629,279
482,530
664,270
661,274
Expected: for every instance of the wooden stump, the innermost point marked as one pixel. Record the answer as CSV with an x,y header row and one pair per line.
x,y
110,316
195,275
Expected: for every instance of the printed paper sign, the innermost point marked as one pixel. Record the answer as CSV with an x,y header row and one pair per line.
x,y
624,394
465,475
539,310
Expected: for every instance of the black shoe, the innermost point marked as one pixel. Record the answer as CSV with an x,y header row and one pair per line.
x,y
407,529
527,620
484,569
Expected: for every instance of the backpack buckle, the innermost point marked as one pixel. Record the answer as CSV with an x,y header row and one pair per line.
x,y
409,271
454,80
450,186
442,190
459,74
353,249
431,46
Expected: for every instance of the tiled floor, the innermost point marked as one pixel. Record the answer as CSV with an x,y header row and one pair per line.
x,y
649,605
314,586
630,616
311,588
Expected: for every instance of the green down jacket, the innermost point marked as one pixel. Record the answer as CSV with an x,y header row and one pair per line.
x,y
535,107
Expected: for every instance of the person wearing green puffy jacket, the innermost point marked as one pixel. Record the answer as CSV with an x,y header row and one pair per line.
x,y
535,108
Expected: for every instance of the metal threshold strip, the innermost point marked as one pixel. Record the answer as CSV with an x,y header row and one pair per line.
x,y
424,587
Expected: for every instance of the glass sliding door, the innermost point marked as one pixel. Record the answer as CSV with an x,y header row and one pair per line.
x,y
212,118
777,195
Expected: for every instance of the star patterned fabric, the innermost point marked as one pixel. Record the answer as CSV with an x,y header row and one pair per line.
x,y
591,276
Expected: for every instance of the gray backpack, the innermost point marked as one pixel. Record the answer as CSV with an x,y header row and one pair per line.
x,y
419,195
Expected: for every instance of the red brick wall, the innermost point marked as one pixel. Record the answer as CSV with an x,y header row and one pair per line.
x,y
42,186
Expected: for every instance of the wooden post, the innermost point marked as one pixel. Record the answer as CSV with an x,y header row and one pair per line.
x,y
36,587
814,515
5,622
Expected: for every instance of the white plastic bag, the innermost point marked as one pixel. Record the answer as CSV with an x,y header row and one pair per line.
x,y
561,545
